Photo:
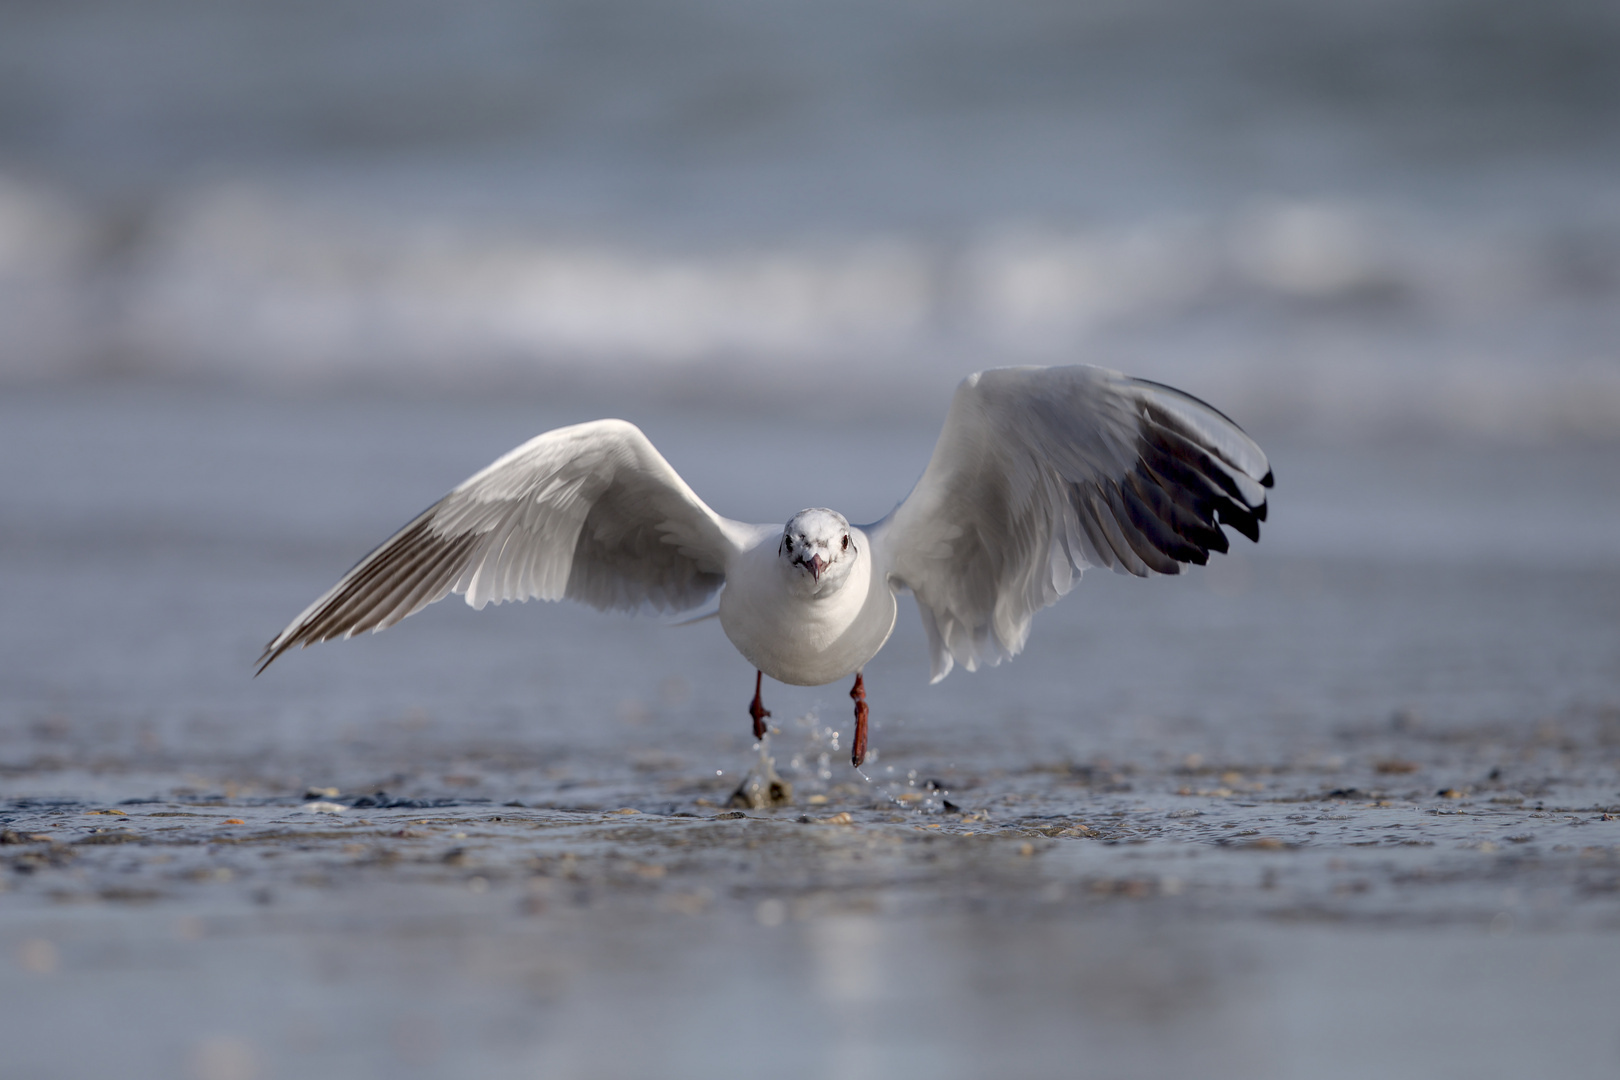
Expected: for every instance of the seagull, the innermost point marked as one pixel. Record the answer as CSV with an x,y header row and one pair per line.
x,y
1039,473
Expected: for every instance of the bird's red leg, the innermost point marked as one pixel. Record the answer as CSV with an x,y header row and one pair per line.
x,y
857,752
758,710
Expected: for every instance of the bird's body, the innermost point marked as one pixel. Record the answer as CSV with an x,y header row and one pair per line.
x,y
800,637
1038,474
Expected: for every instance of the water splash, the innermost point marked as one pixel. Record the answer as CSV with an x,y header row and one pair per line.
x,y
762,787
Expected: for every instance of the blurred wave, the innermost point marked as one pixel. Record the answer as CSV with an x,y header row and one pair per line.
x,y
1310,312
1362,217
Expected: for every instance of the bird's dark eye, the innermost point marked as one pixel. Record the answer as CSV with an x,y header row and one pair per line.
x,y
846,543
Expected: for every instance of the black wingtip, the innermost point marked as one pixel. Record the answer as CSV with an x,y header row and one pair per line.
x,y
268,657
1241,519
1269,480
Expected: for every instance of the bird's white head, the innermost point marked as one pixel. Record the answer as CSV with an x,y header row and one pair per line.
x,y
818,549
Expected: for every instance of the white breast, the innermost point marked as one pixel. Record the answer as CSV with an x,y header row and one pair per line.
x,y
805,641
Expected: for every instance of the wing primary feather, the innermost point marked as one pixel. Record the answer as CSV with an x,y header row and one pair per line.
x,y
1100,513
1237,443
431,582
1230,513
1193,489
1177,445
1173,392
1146,547
1197,530
351,588
378,579
1154,516
399,571
395,566
1176,456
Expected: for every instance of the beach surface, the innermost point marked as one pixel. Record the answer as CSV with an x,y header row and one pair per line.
x,y
1345,803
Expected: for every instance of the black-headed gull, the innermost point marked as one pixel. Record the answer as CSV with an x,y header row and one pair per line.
x,y
1038,474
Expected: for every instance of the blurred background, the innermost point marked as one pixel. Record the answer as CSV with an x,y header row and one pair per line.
x,y
1327,216
274,276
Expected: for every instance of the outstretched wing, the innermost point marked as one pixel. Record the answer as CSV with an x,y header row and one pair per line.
x,y
1042,472
591,512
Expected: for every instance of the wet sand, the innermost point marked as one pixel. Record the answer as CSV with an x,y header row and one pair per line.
x,y
1344,804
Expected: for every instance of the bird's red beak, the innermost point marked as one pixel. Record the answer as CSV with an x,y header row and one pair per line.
x,y
816,564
